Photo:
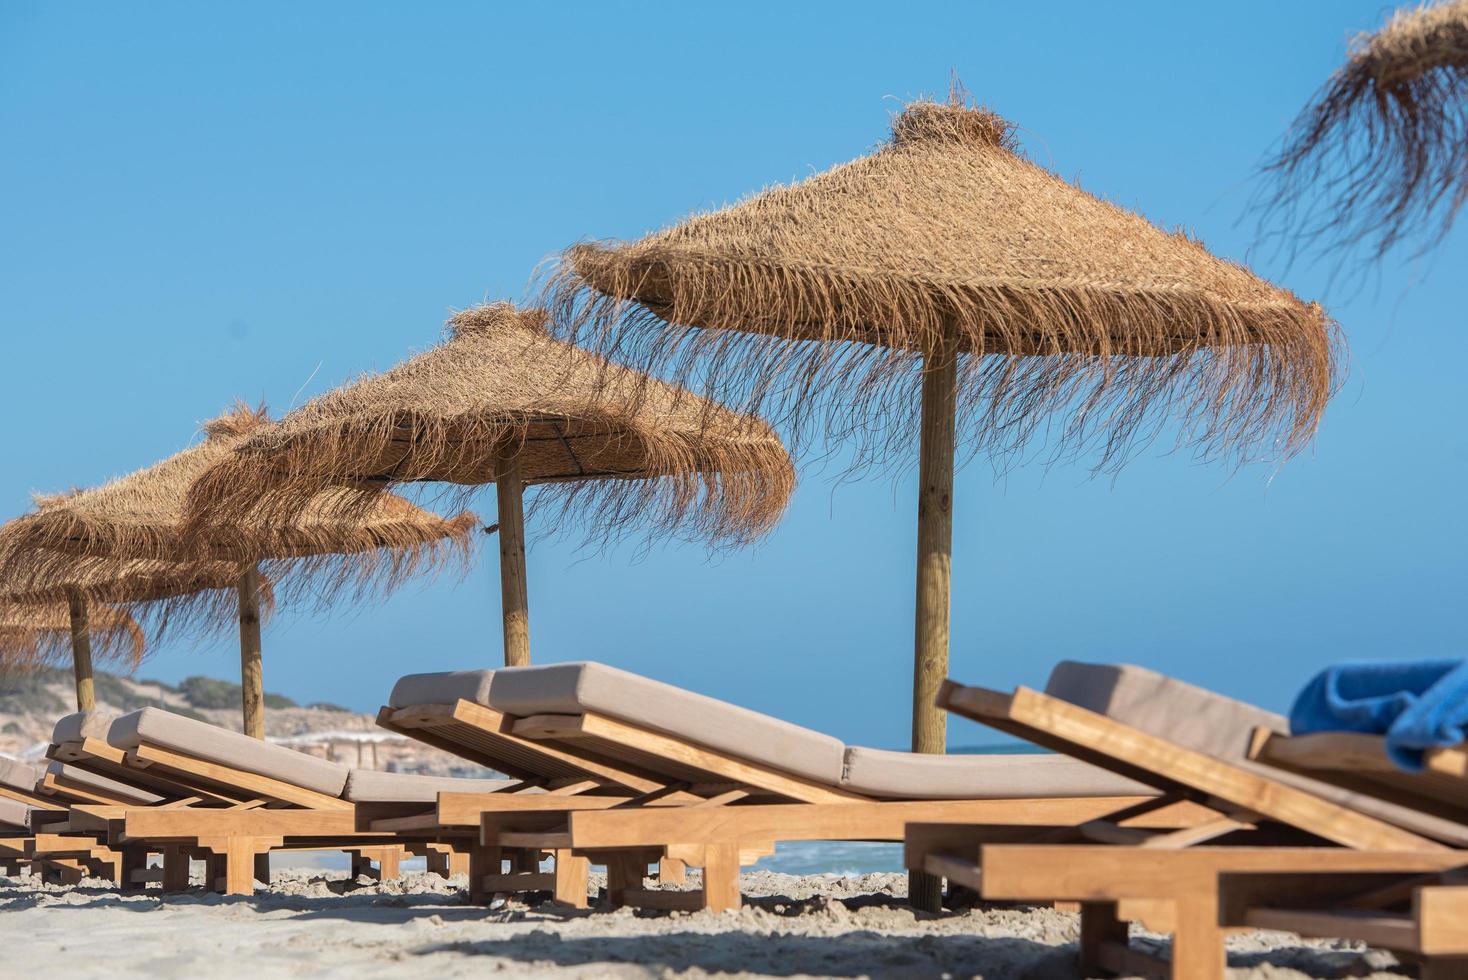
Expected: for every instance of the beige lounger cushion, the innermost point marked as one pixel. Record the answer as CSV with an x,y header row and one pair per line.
x,y
238,751
1189,716
81,724
1220,726
373,786
112,787
17,774
14,814
442,688
575,688
912,776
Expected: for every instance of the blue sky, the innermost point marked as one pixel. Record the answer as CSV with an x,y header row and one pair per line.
x,y
263,201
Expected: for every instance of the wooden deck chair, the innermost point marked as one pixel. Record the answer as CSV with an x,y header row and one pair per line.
x,y
450,711
1401,901
243,799
21,800
15,820
1189,744
716,786
1359,763
1187,741
36,807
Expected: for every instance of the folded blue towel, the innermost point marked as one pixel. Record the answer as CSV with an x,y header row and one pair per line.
x,y
1417,705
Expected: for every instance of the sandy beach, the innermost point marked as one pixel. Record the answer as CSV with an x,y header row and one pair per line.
x,y
313,922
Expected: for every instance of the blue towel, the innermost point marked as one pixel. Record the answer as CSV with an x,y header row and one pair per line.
x,y
1417,705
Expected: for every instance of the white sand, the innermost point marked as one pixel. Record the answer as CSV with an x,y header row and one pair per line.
x,y
315,923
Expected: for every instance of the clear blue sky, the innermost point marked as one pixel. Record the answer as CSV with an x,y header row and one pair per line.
x,y
262,201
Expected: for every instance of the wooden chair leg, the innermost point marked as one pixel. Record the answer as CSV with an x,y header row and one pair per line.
x,y
436,862
239,864
262,868
216,877
672,871
572,873
176,865
721,877
482,861
1099,927
130,860
61,871
1197,941
389,864
458,862
110,866
624,872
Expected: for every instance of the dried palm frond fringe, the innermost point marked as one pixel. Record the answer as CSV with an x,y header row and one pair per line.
x,y
813,304
36,635
1381,153
613,452
345,543
196,599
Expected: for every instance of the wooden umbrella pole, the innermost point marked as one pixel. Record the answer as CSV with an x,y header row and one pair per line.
x,y
934,546
514,598
252,677
934,570
81,651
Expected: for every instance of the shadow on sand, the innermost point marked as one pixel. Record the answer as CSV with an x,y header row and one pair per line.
x,y
833,940
858,953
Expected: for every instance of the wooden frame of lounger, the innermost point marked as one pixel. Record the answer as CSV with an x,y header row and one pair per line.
x,y
50,847
12,850
1359,762
1182,872
1240,796
1207,891
229,817
649,797
563,780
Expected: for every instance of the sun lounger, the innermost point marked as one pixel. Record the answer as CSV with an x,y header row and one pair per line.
x,y
1338,851
15,827
717,785
232,799
1184,740
1360,763
34,810
18,787
1203,892
451,711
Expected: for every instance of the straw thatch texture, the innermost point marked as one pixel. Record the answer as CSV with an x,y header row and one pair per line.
x,y
814,303
339,541
1382,151
199,597
622,448
37,635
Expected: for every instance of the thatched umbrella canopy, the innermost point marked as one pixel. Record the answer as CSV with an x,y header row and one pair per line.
x,y
945,291
36,634
162,594
502,401
1381,152
337,542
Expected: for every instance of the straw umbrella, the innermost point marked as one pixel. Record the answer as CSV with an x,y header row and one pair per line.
x,y
1382,150
36,634
162,594
336,543
944,291
501,401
